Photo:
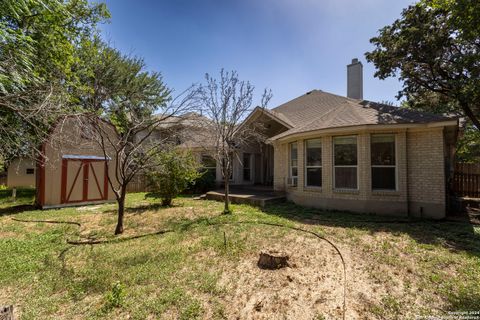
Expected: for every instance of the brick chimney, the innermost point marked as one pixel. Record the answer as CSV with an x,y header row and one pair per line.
x,y
355,80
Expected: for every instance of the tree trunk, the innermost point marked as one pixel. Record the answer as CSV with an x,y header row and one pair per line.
x,y
226,210
272,260
469,113
121,212
166,202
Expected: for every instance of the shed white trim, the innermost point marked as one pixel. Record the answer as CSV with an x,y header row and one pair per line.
x,y
84,157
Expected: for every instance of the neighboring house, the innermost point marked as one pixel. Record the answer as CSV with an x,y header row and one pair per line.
x,y
74,170
21,173
346,153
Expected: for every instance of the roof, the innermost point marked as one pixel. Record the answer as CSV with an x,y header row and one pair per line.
x,y
186,119
318,110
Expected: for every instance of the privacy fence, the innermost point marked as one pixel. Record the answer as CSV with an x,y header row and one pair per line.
x,y
138,184
466,180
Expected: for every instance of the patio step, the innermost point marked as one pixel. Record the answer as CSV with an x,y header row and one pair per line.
x,y
201,197
259,200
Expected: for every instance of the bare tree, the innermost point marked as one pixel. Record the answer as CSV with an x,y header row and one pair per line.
x,y
226,102
139,139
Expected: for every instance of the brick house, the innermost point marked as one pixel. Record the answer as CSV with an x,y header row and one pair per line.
x,y
347,153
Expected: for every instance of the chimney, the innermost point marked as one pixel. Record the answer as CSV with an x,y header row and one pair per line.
x,y
355,80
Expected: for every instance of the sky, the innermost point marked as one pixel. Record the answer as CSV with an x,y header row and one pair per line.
x,y
288,46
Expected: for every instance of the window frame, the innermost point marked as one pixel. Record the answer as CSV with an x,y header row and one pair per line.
x,y
30,171
306,167
345,166
384,166
205,168
290,167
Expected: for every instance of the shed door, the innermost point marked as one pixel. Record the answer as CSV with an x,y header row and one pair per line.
x,y
83,180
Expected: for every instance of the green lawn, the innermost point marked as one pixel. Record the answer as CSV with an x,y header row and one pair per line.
x,y
206,266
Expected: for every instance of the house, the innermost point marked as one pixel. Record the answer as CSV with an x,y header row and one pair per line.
x,y
347,153
21,173
73,169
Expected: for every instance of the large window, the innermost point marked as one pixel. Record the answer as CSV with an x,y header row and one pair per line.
x,y
313,163
383,162
210,165
345,162
293,167
247,170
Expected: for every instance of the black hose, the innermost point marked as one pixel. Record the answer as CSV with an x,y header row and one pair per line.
x,y
49,221
92,242
79,243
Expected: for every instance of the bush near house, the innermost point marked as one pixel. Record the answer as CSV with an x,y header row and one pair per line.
x,y
205,182
176,170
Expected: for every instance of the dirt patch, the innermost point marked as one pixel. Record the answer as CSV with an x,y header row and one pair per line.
x,y
311,287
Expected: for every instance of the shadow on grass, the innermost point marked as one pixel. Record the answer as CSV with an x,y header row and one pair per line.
x,y
23,202
17,209
453,235
138,210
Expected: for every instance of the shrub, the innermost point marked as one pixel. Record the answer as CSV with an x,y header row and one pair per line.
x,y
205,182
174,172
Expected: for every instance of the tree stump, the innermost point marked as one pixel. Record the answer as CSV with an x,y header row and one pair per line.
x,y
6,313
272,260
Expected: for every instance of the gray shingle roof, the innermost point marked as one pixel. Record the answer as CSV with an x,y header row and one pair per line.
x,y
318,110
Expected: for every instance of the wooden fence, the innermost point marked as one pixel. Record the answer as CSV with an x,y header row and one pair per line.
x,y
138,184
466,180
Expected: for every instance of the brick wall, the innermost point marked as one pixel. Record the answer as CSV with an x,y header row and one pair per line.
x,y
426,175
413,153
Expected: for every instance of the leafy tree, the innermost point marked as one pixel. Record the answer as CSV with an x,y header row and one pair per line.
x,y
468,146
38,44
434,48
174,172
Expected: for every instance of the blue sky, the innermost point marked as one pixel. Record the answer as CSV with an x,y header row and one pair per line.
x,y
289,46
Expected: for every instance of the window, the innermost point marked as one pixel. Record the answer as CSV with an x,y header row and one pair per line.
x,y
30,171
345,162
383,162
293,168
313,163
210,165
246,167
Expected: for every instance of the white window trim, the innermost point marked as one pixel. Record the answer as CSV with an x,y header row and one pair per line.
x,y
345,166
310,167
385,166
290,167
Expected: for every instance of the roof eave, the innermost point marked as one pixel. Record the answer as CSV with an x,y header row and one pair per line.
x,y
268,114
282,137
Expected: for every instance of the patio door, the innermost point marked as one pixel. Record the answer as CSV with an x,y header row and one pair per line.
x,y
84,180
